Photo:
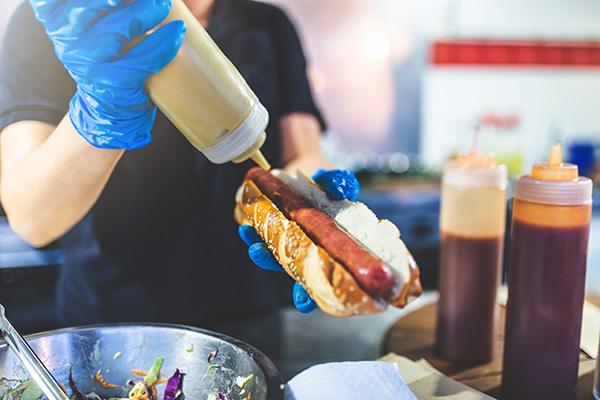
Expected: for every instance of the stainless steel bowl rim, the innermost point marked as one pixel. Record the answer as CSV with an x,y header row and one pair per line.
x,y
273,379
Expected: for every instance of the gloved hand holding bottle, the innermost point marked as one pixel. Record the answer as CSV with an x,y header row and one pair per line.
x,y
338,185
111,109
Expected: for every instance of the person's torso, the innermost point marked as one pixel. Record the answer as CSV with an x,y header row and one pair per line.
x,y
161,244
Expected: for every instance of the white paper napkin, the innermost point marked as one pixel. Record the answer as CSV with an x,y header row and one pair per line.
x,y
590,329
349,380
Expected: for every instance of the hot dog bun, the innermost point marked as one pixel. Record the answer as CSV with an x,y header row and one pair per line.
x,y
318,261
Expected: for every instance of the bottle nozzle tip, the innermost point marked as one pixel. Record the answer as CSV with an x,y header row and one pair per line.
x,y
260,159
555,158
476,146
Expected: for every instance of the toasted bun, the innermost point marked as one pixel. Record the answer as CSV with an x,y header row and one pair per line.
x,y
332,287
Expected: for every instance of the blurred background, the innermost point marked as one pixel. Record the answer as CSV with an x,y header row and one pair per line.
x,y
413,78
403,84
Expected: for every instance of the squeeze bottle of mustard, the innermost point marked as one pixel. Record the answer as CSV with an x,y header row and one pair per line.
x,y
552,209
472,226
207,99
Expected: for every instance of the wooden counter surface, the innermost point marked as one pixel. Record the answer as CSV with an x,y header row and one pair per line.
x,y
413,337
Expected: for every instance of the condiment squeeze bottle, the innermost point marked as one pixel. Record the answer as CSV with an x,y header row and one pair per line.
x,y
552,209
207,99
472,227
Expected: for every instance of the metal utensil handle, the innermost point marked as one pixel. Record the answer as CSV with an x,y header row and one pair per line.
x,y
38,371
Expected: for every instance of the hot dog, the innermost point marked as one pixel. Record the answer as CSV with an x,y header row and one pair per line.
x,y
349,261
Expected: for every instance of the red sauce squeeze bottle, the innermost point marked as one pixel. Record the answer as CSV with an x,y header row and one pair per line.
x,y
472,226
552,209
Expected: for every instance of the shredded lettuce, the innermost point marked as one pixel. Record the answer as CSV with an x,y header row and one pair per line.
x,y
27,390
32,392
154,371
210,368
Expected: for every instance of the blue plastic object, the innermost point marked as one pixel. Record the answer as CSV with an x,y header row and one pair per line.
x,y
111,109
260,254
338,185
302,300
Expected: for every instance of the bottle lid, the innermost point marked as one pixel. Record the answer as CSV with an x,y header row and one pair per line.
x,y
554,183
555,169
475,169
241,139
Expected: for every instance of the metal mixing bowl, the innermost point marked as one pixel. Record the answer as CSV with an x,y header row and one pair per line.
x,y
117,349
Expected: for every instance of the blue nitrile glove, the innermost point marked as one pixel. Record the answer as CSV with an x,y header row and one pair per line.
x,y
110,109
338,185
260,254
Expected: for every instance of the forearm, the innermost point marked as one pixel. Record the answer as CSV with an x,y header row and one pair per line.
x,y
308,164
301,144
50,178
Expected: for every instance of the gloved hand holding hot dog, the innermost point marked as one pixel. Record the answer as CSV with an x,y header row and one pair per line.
x,y
111,109
346,259
338,185
261,255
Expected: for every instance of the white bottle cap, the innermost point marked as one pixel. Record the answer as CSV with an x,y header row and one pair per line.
x,y
554,182
459,174
566,193
239,140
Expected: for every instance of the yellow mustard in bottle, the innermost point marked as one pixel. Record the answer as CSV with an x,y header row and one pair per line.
x,y
207,99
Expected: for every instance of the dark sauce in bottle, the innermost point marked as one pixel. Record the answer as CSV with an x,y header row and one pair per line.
x,y
544,311
467,319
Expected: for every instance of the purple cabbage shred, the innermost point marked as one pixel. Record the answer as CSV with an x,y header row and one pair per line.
x,y
173,384
78,395
149,391
213,354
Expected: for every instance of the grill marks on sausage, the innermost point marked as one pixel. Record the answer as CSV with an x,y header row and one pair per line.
x,y
373,275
